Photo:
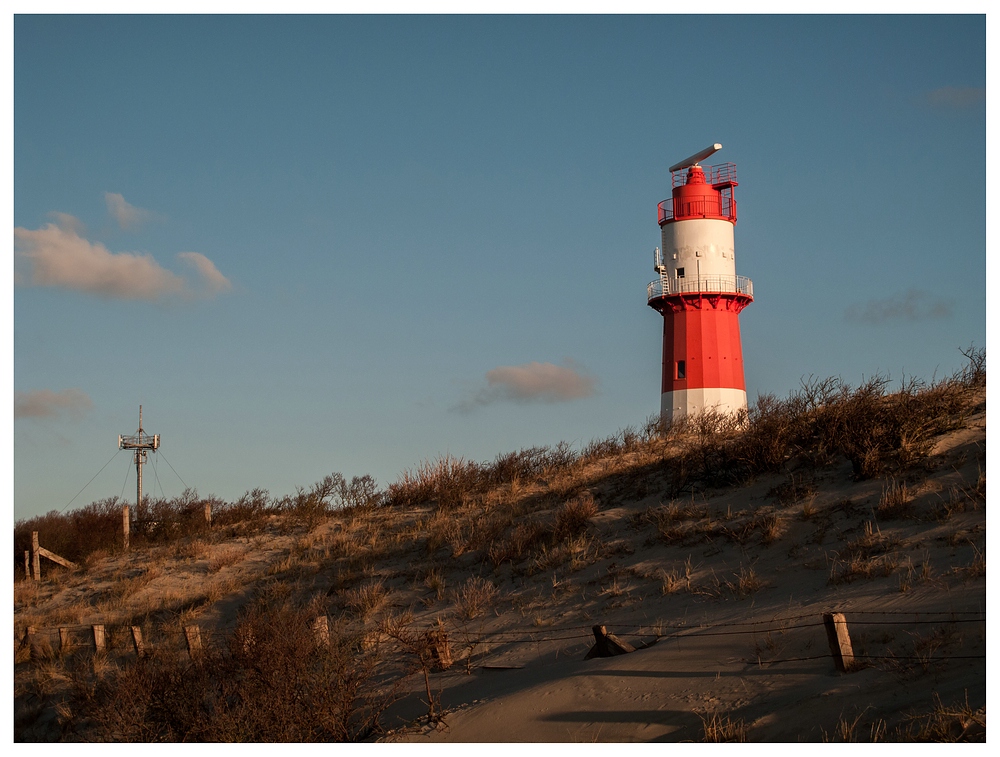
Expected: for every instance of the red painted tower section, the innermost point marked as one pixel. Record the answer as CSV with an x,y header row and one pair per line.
x,y
698,292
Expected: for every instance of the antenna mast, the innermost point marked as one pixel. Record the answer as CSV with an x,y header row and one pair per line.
x,y
141,443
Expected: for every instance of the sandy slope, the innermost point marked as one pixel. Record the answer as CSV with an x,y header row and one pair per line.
x,y
755,652
662,692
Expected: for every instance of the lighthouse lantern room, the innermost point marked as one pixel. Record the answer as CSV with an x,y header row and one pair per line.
x,y
698,292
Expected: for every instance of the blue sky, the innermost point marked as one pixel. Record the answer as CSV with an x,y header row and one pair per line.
x,y
318,244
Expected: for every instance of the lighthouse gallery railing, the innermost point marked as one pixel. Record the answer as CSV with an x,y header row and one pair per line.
x,y
669,285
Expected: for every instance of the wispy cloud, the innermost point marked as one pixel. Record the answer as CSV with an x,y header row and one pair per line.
x,y
58,256
531,382
912,305
44,403
955,98
127,215
214,282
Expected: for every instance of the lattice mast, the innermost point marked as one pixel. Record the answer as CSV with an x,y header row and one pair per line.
x,y
141,443
698,292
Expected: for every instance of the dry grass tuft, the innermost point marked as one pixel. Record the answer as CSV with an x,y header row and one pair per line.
x,y
475,597
721,728
848,731
366,599
871,555
959,722
676,579
896,500
746,583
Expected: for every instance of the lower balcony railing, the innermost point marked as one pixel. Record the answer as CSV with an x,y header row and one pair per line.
x,y
669,285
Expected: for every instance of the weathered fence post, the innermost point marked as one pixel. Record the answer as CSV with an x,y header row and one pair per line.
x,y
321,630
27,564
208,514
840,640
607,644
36,558
64,644
125,526
98,639
140,650
437,640
32,641
193,636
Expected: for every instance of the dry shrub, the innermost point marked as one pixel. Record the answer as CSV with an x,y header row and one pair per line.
x,y
575,552
444,530
272,682
572,518
795,489
475,597
679,523
525,539
222,558
446,483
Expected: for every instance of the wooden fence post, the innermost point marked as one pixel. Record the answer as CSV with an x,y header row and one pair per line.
x,y
193,636
208,514
27,564
36,559
98,639
125,524
321,629
64,644
437,640
30,638
140,650
607,644
840,640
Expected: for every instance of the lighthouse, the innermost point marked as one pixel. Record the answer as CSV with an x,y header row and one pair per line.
x,y
698,292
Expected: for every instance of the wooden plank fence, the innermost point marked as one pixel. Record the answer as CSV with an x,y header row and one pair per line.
x,y
37,553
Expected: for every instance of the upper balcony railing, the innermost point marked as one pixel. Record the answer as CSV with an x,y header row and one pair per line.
x,y
720,174
665,286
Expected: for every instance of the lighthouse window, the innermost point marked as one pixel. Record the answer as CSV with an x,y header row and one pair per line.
x,y
681,371
680,273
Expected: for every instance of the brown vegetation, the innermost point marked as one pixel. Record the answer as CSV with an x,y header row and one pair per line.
x,y
461,542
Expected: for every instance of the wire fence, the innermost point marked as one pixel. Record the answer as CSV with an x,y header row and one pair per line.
x,y
46,643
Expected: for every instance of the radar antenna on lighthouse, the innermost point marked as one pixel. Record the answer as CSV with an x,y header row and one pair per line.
x,y
698,292
697,157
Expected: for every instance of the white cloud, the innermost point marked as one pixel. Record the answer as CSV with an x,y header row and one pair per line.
x,y
127,215
532,382
58,256
44,403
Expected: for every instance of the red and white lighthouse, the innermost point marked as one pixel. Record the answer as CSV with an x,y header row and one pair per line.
x,y
698,292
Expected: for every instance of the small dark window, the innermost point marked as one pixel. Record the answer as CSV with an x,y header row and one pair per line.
x,y
680,273
681,373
